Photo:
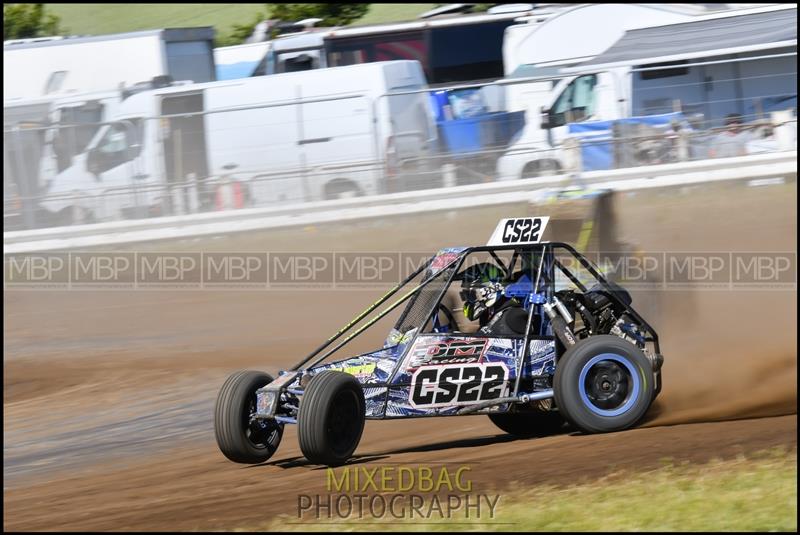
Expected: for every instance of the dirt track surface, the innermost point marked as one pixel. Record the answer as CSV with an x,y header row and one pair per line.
x,y
108,395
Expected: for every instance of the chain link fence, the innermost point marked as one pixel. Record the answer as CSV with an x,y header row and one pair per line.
x,y
191,159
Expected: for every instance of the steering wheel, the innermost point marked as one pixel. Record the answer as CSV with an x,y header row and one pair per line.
x,y
451,321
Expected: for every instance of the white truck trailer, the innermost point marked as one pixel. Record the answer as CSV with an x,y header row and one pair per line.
x,y
85,64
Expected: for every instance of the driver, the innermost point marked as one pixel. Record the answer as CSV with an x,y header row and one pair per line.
x,y
486,305
483,292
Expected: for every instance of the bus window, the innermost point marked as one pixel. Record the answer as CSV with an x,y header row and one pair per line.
x,y
455,53
467,52
347,57
386,47
295,62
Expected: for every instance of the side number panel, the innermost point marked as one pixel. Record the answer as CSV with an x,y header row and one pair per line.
x,y
458,384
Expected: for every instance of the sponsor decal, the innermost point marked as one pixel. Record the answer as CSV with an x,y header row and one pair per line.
x,y
440,386
360,371
541,350
442,261
386,365
441,351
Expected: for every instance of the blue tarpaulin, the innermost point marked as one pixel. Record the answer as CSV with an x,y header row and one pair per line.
x,y
233,71
597,145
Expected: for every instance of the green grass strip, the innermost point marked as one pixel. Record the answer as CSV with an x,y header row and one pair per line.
x,y
749,493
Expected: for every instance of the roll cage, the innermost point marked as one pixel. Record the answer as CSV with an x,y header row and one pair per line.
x,y
445,274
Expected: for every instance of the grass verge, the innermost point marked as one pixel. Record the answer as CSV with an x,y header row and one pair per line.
x,y
100,19
753,493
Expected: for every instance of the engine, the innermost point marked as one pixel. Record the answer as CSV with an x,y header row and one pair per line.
x,y
578,315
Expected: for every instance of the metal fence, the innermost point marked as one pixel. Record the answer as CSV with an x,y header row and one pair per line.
x,y
306,150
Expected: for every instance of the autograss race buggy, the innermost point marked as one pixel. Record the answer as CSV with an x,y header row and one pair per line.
x,y
538,337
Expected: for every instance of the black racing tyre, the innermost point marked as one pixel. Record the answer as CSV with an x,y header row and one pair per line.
x,y
603,384
239,439
331,418
528,424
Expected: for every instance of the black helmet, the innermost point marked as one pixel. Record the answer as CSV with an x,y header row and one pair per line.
x,y
480,289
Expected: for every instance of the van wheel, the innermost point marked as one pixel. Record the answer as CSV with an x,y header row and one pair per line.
x,y
540,168
331,418
76,215
341,189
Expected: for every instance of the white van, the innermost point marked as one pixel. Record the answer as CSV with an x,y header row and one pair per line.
x,y
293,137
43,135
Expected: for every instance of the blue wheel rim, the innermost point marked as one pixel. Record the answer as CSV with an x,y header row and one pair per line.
x,y
633,380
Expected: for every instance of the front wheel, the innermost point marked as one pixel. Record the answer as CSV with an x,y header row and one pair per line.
x,y
240,438
540,168
603,384
331,418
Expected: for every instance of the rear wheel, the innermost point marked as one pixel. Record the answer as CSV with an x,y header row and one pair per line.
x,y
603,383
331,418
341,189
76,215
528,424
539,168
240,438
